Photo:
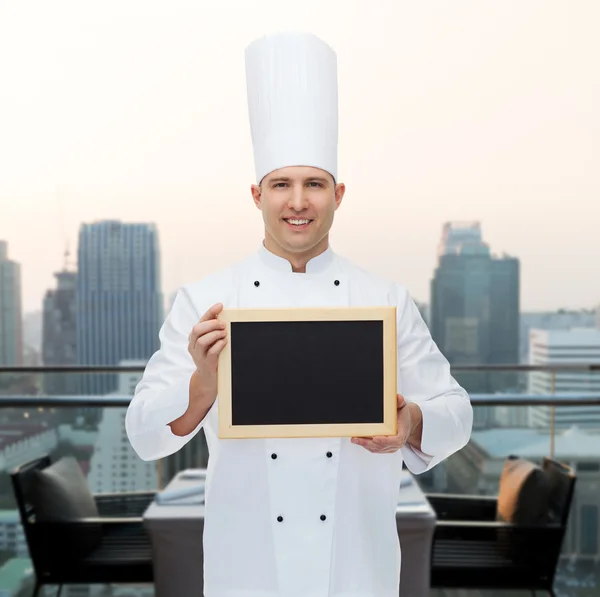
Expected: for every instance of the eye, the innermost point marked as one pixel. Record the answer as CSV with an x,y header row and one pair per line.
x,y
279,185
315,183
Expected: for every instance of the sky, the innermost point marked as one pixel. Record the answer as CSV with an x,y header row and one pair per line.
x,y
454,110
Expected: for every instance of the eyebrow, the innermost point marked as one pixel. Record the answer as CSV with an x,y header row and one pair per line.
x,y
287,179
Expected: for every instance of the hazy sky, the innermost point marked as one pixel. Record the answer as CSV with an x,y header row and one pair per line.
x,y
448,111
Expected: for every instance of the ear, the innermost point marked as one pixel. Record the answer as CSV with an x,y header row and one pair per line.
x,y
340,191
256,195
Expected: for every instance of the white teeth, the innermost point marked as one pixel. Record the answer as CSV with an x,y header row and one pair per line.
x,y
298,222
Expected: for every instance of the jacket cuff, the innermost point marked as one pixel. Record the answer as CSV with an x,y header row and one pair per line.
x,y
416,461
168,405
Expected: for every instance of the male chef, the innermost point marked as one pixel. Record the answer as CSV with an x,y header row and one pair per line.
x,y
310,517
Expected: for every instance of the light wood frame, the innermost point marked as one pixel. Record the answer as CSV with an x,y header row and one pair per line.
x,y
390,419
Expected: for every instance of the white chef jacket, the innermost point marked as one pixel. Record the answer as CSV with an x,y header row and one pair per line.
x,y
307,517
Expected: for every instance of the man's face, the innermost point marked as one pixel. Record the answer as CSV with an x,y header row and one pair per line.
x,y
298,204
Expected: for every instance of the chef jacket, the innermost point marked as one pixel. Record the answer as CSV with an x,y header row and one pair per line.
x,y
309,517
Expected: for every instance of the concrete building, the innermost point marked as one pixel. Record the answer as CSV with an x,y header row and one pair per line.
x,y
114,465
474,311
59,334
119,301
11,317
22,442
562,319
564,346
12,537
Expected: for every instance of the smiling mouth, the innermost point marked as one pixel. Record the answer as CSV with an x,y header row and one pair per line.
x,y
297,221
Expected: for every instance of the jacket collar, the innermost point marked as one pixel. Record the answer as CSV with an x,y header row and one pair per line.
x,y
316,265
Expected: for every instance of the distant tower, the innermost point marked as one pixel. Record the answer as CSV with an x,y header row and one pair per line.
x,y
475,310
11,310
59,331
551,347
114,465
119,301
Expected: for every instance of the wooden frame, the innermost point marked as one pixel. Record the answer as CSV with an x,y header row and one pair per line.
x,y
387,315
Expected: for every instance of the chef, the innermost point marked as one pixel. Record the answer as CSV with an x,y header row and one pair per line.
x,y
309,517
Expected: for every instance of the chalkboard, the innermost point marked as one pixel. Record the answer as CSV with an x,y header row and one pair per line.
x,y
308,373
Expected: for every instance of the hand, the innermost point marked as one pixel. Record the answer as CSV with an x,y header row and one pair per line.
x,y
410,422
206,341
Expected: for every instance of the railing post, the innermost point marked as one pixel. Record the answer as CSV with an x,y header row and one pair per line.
x,y
552,412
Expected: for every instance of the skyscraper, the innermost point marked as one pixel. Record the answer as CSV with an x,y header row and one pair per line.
x,y
549,347
504,321
119,301
11,319
59,333
475,309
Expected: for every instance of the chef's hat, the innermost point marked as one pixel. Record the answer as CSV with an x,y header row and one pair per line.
x,y
291,81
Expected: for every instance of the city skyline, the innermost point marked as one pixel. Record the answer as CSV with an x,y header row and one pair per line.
x,y
67,262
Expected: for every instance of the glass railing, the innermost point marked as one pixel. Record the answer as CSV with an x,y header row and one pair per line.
x,y
529,412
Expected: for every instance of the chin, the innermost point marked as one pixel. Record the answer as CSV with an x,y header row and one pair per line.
x,y
297,248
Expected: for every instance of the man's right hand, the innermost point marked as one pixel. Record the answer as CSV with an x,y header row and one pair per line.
x,y
205,343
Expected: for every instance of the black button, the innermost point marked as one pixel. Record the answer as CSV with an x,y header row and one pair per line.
x,y
323,517
256,283
279,518
337,282
329,454
273,456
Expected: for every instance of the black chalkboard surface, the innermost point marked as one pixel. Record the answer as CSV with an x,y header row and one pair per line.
x,y
308,373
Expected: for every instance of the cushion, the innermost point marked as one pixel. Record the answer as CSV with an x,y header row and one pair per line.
x,y
60,493
524,495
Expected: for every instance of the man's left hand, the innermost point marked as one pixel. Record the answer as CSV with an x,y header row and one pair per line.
x,y
410,425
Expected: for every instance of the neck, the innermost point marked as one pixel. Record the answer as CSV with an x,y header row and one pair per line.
x,y
298,260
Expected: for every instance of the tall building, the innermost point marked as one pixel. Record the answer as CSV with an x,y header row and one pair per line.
x,y
119,301
59,333
504,321
474,313
577,345
114,465
562,319
11,318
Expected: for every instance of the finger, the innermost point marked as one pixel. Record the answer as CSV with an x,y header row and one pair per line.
x,y
375,449
389,450
401,401
384,445
212,312
207,340
217,347
385,442
365,442
204,327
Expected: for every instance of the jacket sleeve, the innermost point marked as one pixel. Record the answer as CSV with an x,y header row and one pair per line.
x,y
163,392
424,377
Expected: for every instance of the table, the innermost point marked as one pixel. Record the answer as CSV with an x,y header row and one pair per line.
x,y
415,519
176,534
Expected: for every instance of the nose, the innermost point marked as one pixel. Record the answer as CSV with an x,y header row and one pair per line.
x,y
298,201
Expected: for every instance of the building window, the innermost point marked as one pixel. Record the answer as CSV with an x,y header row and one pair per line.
x,y
589,530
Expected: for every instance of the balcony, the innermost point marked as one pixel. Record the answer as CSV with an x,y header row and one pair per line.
x,y
39,416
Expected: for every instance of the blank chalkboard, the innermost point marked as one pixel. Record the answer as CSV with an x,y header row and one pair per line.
x,y
308,372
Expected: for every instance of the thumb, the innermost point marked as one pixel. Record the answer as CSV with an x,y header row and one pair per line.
x,y
401,401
